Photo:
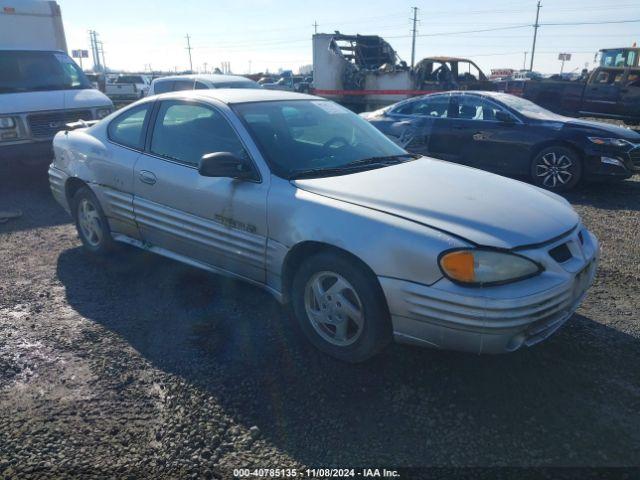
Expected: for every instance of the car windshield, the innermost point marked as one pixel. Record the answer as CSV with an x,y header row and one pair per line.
x,y
315,137
30,71
527,108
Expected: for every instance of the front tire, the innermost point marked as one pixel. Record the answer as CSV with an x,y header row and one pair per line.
x,y
340,307
91,223
556,168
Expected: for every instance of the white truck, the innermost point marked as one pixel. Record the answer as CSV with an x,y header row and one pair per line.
x,y
128,87
41,88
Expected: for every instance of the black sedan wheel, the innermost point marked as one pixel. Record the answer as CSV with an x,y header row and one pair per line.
x,y
557,169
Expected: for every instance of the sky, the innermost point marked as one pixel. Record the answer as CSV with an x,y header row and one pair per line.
x,y
260,35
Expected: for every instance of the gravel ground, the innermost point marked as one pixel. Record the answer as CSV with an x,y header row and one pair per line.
x,y
137,366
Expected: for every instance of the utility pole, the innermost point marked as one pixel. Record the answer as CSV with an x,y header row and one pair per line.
x,y
189,49
95,51
413,35
104,63
205,67
524,64
315,26
535,34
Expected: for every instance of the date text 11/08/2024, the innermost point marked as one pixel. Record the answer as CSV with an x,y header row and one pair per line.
x,y
315,473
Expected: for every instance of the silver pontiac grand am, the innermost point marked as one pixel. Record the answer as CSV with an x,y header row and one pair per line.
x,y
363,241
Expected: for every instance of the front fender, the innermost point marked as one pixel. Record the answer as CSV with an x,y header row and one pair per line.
x,y
391,246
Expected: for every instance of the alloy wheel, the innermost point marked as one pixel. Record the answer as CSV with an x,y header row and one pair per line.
x,y
334,308
555,170
90,223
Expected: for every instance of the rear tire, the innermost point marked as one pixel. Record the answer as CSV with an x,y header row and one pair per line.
x,y
556,168
340,307
91,223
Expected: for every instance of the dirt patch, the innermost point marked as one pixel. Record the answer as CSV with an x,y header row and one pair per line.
x,y
137,366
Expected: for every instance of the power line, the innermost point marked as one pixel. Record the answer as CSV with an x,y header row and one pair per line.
x,y
460,32
604,22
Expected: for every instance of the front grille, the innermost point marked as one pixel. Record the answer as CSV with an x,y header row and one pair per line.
x,y
561,253
44,125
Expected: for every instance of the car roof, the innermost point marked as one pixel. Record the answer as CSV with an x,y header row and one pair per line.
x,y
482,93
239,95
211,79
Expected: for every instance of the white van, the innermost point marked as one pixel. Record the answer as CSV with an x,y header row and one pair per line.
x,y
41,88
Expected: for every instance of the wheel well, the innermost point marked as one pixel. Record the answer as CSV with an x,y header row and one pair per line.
x,y
72,186
558,143
300,252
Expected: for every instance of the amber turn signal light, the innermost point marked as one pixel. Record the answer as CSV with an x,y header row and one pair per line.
x,y
459,266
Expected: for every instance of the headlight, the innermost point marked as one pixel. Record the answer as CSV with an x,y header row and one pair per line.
x,y
486,267
7,122
614,142
102,112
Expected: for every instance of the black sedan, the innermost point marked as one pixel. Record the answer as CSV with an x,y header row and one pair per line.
x,y
511,136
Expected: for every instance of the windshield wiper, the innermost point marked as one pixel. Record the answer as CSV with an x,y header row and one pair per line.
x,y
355,166
386,160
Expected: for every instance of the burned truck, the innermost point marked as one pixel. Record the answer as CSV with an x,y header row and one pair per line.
x,y
364,72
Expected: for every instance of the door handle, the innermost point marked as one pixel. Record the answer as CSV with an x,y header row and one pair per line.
x,y
459,127
480,136
147,177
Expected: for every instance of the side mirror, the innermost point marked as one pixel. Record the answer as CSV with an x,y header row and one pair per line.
x,y
502,116
225,164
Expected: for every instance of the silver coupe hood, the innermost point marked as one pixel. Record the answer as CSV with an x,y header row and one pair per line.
x,y
478,206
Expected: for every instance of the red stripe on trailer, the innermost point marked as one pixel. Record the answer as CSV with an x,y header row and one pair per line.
x,y
318,91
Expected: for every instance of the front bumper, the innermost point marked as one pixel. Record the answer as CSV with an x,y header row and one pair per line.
x,y
30,151
597,166
496,319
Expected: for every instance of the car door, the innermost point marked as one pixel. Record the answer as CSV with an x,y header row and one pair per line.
x,y
447,144
483,138
630,95
113,167
220,222
417,124
602,92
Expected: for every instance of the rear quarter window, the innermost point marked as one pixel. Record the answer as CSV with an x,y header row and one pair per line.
x,y
128,128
